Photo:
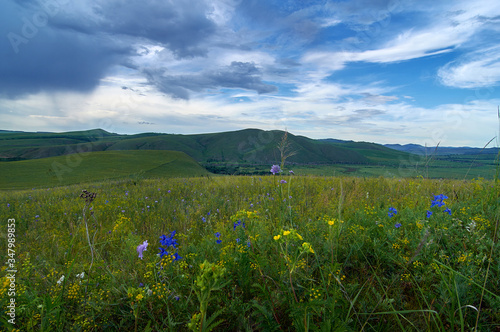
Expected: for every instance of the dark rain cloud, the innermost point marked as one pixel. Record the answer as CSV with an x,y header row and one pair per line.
x,y
55,45
243,75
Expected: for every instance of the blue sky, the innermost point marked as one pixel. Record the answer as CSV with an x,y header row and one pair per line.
x,y
423,72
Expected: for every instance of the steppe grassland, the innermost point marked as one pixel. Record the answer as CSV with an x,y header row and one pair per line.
x,y
279,252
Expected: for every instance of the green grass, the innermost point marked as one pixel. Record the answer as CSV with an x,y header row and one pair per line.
x,y
94,166
315,253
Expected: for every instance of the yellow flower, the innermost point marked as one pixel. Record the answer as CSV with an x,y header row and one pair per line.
x,y
285,233
277,237
300,237
331,222
139,297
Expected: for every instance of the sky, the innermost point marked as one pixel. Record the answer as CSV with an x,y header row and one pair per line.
x,y
383,71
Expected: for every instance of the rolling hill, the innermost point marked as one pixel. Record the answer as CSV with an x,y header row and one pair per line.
x,y
96,166
248,146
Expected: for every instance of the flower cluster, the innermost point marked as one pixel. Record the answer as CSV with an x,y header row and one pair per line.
x,y
275,169
392,212
293,235
439,202
169,242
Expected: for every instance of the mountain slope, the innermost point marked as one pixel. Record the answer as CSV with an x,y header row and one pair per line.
x,y
248,146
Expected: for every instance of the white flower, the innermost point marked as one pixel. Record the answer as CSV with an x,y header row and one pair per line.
x,y
81,275
60,280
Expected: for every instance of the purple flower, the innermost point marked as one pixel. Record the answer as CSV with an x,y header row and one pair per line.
x,y
8,205
429,214
283,181
275,169
291,172
238,240
141,248
217,235
397,225
203,219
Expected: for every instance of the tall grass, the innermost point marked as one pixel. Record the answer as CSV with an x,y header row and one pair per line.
x,y
257,254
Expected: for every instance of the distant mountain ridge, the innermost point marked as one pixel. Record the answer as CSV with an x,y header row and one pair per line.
x,y
440,150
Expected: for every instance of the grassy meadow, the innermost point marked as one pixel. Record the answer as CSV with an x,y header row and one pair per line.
x,y
274,253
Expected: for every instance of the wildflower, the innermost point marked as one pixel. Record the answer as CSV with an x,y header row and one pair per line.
x,y
429,214
139,297
447,210
163,252
141,248
81,275
306,246
237,240
331,222
397,225
392,212
60,280
438,200
203,219
285,233
291,172
8,205
275,169
283,181
176,257
217,235
277,237
169,241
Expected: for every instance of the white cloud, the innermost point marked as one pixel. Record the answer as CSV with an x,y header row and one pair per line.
x,y
476,70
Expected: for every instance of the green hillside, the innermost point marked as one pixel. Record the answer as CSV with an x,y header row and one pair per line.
x,y
95,166
248,146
